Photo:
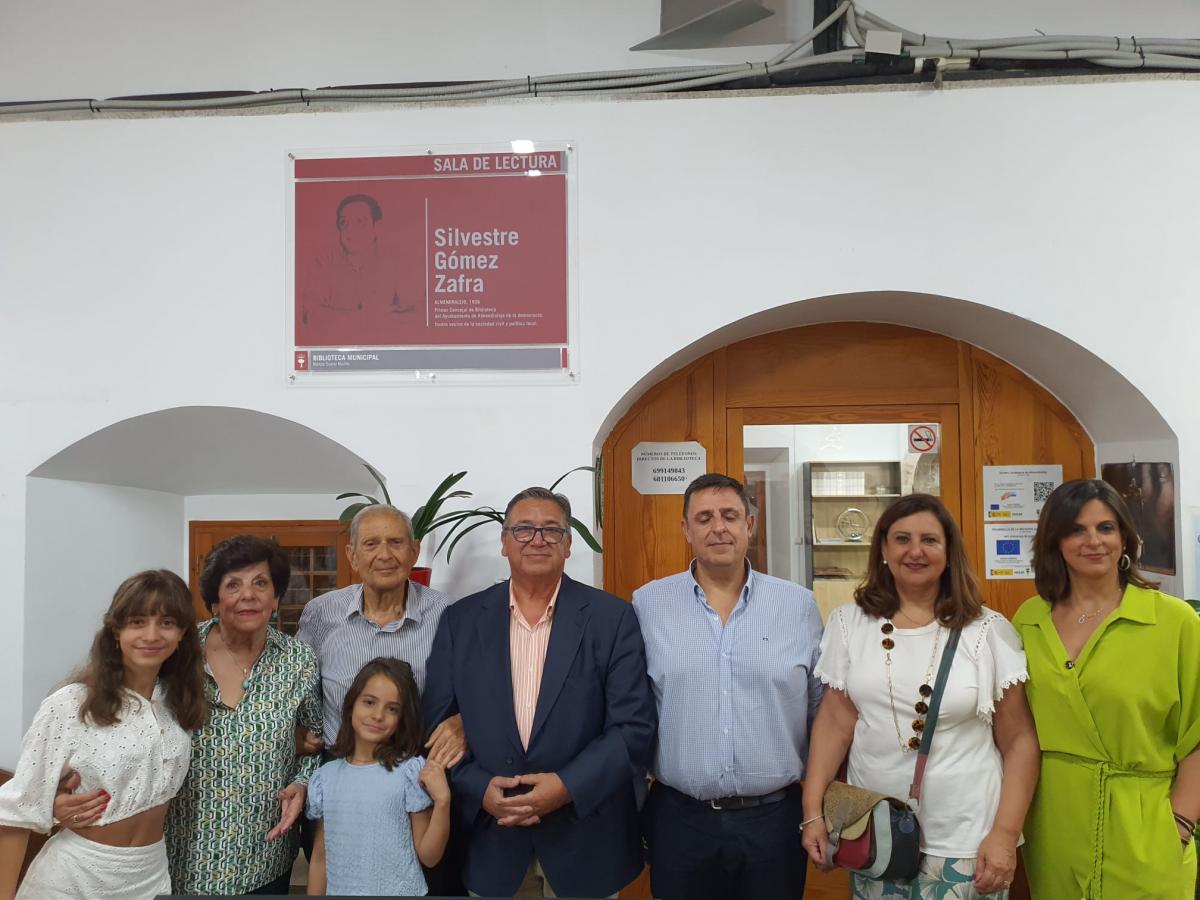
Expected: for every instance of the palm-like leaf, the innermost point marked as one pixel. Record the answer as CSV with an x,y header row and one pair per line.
x,y
356,494
425,518
563,476
353,510
490,515
588,537
387,498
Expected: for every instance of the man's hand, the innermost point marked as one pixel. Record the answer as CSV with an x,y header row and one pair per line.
x,y
291,803
548,794
78,810
307,743
448,743
507,810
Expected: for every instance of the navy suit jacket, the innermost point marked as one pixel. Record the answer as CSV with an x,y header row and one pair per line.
x,y
594,725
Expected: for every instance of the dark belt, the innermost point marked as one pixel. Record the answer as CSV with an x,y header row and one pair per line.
x,y
736,802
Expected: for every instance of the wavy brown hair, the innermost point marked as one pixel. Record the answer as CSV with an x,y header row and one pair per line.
x,y
959,601
1056,522
160,592
409,736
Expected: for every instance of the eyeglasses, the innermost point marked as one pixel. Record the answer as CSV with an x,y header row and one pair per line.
x,y
523,534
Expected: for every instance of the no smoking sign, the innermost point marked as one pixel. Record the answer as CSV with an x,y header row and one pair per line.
x,y
923,438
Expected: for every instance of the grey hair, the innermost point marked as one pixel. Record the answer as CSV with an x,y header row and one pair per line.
x,y
540,493
378,509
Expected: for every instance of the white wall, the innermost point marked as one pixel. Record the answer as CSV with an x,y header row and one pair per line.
x,y
144,264
84,540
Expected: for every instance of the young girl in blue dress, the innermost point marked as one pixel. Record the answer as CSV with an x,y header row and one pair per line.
x,y
382,810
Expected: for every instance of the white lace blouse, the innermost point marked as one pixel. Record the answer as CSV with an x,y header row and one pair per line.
x,y
961,791
141,760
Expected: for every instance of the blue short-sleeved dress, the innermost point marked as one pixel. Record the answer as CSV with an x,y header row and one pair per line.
x,y
368,838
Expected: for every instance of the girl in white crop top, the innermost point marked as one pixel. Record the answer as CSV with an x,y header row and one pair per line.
x,y
123,723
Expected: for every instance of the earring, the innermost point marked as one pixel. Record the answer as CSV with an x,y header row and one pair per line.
x,y
1124,562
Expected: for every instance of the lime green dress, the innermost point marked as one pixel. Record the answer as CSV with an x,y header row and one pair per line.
x,y
1113,726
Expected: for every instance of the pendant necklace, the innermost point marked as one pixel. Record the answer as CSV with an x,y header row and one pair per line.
x,y
229,653
1083,617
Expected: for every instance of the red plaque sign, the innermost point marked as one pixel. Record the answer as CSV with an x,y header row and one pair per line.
x,y
464,250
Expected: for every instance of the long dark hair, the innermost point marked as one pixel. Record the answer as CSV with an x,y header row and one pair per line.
x,y
155,591
1050,572
959,601
409,737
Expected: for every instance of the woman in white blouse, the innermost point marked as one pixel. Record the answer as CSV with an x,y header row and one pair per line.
x,y
122,723
878,658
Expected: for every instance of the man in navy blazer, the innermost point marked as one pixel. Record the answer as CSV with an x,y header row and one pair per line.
x,y
549,676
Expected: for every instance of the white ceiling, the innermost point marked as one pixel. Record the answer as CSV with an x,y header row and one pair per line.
x,y
193,450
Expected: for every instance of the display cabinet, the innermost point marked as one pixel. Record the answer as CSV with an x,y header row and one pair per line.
x,y
841,501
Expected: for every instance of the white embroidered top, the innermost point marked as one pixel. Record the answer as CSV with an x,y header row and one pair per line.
x,y
961,790
141,760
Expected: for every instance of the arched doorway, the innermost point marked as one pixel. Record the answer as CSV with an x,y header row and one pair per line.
x,y
120,499
988,412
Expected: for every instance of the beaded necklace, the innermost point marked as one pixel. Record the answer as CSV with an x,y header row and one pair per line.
x,y
925,690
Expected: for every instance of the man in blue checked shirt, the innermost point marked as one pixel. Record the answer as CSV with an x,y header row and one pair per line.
x,y
730,652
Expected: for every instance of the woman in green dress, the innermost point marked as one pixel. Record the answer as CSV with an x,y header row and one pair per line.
x,y
1114,685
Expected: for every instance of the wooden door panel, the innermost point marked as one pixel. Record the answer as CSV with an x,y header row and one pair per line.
x,y
1017,422
642,538
841,363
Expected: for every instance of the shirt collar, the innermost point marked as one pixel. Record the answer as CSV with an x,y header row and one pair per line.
x,y
549,614
412,603
747,588
276,640
1137,605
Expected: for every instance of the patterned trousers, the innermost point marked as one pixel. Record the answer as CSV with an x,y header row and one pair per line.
x,y
939,879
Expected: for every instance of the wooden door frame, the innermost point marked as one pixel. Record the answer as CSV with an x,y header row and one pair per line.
x,y
204,534
945,414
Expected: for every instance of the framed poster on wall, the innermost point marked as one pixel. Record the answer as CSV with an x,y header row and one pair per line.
x,y
1148,489
419,264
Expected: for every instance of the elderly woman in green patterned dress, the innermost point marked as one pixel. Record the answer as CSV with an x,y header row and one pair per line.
x,y
229,830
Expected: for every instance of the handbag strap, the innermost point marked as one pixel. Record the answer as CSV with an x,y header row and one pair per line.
x,y
931,717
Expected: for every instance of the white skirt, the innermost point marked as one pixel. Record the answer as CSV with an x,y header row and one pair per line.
x,y
70,867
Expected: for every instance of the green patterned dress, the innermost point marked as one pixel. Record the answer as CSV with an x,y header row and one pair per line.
x,y
217,826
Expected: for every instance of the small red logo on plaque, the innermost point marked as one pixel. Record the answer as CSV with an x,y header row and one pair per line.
x,y
301,360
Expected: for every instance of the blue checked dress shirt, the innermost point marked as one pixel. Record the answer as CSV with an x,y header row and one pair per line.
x,y
735,701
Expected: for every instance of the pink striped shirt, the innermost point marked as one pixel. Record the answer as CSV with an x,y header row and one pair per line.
x,y
527,645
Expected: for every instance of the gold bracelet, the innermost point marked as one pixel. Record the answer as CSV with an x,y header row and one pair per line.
x,y
810,821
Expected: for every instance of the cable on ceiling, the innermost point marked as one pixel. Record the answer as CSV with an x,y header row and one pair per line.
x,y
783,69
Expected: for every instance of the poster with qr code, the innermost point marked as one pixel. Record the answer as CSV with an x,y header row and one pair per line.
x,y
1017,493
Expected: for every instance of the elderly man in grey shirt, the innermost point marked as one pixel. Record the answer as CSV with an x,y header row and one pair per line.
x,y
385,614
